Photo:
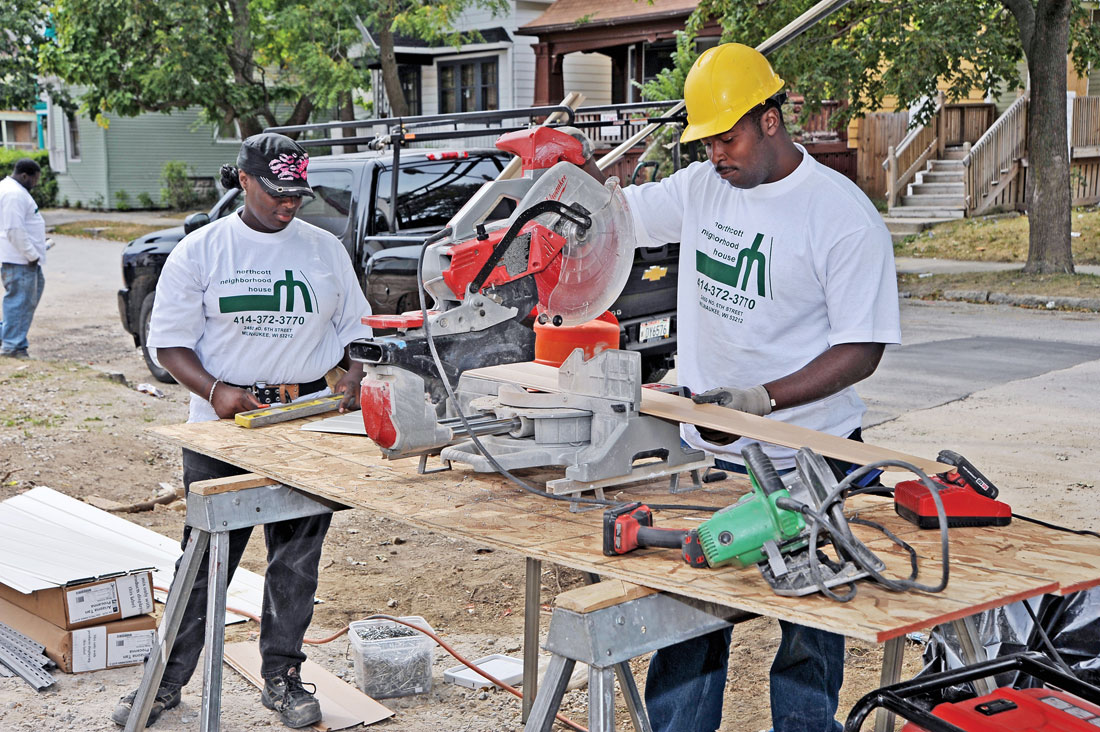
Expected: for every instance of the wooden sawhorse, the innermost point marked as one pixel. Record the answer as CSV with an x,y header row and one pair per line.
x,y
214,508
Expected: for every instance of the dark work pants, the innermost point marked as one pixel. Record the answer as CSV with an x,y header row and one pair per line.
x,y
293,555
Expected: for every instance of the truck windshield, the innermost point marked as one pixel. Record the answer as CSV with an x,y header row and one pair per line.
x,y
430,192
331,204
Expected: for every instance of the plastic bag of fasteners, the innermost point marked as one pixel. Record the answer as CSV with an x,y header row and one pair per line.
x,y
391,659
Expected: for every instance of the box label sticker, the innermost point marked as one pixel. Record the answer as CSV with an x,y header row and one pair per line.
x,y
89,648
135,595
131,647
89,603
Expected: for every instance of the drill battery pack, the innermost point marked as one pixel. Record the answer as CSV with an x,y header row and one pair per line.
x,y
969,498
1019,710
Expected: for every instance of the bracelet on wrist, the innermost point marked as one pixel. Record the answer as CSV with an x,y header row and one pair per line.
x,y
210,396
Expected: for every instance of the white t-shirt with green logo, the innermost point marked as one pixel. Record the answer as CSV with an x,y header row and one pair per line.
x,y
769,278
278,308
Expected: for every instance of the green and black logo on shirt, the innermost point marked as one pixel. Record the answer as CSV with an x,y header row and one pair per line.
x,y
288,288
747,269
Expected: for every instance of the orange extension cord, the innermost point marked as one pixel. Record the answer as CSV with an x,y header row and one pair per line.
x,y
446,646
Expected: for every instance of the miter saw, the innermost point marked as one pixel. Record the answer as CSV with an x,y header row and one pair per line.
x,y
560,259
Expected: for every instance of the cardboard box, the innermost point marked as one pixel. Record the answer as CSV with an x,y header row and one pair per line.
x,y
88,603
121,643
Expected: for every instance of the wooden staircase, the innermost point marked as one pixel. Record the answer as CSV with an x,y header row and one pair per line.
x,y
937,194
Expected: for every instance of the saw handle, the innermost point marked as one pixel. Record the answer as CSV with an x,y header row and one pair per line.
x,y
761,470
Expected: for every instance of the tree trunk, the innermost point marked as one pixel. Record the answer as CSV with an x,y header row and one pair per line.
x,y
346,113
1048,188
390,80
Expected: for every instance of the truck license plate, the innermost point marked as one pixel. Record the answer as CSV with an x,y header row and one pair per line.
x,y
651,329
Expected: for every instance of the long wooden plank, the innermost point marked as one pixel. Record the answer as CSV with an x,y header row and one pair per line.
x,y
489,510
680,409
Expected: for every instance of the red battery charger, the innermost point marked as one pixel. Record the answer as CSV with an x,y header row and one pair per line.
x,y
969,498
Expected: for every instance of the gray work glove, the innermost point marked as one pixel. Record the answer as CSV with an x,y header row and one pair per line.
x,y
754,400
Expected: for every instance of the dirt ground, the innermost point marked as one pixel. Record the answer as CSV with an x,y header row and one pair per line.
x,y
66,425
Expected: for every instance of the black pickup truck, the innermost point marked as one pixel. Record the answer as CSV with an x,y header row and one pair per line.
x,y
354,203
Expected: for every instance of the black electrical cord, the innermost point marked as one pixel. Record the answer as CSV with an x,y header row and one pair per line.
x,y
421,292
1056,527
855,549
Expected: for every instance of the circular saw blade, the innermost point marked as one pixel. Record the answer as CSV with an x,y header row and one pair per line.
x,y
596,265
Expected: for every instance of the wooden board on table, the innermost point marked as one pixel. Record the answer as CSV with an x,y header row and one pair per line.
x,y
490,511
681,409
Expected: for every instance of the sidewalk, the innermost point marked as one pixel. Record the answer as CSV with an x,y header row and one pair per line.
x,y
57,216
920,266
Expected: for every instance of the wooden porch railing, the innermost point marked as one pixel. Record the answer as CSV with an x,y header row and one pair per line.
x,y
1085,140
919,146
994,160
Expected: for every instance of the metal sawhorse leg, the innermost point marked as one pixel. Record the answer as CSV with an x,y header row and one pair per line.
x,y
972,651
606,638
214,508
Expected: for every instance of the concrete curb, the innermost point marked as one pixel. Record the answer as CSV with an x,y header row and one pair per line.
x,y
1091,304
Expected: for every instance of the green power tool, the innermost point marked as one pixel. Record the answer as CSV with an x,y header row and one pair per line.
x,y
739,534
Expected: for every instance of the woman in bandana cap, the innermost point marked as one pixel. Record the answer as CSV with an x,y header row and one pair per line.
x,y
255,309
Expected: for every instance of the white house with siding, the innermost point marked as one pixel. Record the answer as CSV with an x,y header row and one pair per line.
x,y
496,72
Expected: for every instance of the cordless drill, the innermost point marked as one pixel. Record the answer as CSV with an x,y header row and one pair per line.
x,y
736,535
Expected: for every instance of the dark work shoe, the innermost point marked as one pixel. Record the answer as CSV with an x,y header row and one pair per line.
x,y
167,698
287,695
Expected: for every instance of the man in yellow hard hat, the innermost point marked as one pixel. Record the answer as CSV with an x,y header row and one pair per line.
x,y
786,297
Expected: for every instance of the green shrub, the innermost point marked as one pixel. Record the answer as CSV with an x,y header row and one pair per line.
x,y
96,202
178,191
122,200
145,200
45,193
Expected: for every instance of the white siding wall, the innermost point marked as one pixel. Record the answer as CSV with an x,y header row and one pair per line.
x,y
589,74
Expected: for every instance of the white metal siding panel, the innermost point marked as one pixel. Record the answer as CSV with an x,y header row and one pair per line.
x,y
140,146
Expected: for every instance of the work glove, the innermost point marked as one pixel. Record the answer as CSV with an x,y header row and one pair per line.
x,y
754,400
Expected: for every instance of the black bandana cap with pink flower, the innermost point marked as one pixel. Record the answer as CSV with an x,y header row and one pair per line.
x,y
278,162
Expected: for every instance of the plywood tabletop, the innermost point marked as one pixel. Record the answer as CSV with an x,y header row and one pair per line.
x,y
990,566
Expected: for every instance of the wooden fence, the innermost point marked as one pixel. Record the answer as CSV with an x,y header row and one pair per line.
x,y
964,123
878,132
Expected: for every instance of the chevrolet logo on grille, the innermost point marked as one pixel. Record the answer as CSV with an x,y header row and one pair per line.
x,y
654,273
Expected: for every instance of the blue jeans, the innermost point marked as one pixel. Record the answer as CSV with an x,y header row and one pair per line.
x,y
686,681
293,553
23,285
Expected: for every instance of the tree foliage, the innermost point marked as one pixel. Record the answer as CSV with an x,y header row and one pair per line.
x,y
22,24
896,53
256,62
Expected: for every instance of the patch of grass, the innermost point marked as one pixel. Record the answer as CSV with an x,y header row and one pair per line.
x,y
113,230
1009,281
49,420
999,239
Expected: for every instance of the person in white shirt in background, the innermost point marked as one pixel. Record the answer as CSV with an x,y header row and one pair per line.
x,y
251,309
23,247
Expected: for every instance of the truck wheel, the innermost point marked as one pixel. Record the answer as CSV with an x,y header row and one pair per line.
x,y
159,372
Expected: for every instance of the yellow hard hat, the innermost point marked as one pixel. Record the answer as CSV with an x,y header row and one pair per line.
x,y
724,83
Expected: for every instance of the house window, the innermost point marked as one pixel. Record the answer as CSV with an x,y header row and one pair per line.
x,y
72,138
227,130
410,85
468,85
